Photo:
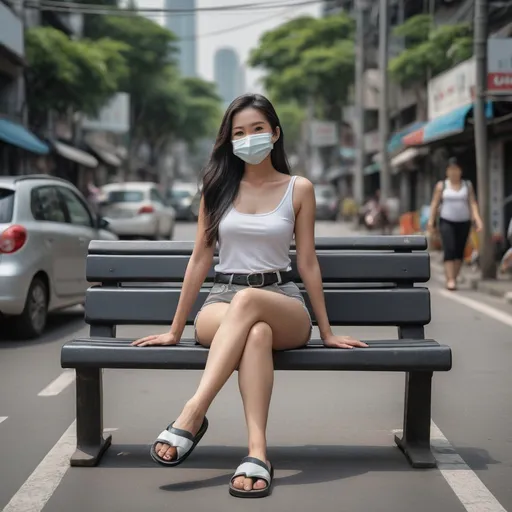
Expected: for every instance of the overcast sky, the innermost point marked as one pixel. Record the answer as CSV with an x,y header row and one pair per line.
x,y
242,31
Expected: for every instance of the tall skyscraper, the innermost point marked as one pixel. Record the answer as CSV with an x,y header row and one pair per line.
x,y
184,27
229,74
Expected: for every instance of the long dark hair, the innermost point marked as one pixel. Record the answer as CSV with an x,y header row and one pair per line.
x,y
224,171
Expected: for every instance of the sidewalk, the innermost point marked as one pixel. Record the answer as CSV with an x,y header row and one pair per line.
x,y
469,277
500,287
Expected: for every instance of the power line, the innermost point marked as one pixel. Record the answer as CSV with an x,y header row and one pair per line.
x,y
80,8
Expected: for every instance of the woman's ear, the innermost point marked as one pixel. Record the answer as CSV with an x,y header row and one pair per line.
x,y
276,135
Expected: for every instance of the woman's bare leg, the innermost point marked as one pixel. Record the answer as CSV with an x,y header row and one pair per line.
x,y
289,323
256,379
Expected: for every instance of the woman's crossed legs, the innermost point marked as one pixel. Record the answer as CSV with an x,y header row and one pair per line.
x,y
242,335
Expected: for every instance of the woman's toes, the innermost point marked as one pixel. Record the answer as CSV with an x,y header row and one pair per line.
x,y
260,484
248,484
238,483
160,449
169,453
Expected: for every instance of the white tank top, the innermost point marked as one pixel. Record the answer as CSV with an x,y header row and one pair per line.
x,y
455,203
257,242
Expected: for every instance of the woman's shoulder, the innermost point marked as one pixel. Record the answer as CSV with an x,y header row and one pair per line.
x,y
303,185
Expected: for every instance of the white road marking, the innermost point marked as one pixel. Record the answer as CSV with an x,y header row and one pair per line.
x,y
110,429
33,495
494,313
57,386
3,418
469,489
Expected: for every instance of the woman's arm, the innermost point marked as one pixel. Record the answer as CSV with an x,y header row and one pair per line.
x,y
307,262
434,205
197,269
473,204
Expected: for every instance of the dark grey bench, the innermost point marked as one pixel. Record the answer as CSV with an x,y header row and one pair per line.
x,y
368,281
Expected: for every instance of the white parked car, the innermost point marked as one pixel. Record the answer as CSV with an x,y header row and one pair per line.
x,y
45,229
137,210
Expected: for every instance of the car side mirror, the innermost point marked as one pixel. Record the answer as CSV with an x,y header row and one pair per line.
x,y
102,223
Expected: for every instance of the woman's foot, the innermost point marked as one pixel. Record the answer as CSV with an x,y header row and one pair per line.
x,y
451,285
190,420
248,484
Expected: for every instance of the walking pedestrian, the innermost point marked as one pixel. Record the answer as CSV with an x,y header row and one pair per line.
x,y
454,201
253,207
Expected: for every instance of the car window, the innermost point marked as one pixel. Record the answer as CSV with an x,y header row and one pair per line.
x,y
180,193
78,212
155,196
6,205
46,205
125,196
325,192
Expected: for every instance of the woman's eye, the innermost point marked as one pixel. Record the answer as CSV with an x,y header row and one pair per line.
x,y
259,128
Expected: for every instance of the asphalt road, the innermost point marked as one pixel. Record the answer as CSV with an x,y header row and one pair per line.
x,y
331,435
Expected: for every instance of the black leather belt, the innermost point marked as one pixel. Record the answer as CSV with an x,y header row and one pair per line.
x,y
256,279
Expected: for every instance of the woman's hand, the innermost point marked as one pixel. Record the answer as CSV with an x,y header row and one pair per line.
x,y
478,225
167,338
334,341
430,226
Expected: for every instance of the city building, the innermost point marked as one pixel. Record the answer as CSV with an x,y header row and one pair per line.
x,y
184,27
229,74
17,143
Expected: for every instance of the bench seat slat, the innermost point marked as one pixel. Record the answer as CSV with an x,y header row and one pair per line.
x,y
155,305
336,267
382,355
354,243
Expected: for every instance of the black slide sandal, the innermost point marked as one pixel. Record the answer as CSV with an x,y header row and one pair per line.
x,y
183,441
256,469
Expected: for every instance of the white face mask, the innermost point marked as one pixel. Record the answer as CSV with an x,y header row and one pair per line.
x,y
253,149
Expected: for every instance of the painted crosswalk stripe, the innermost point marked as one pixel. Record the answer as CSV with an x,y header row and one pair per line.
x,y
3,418
57,386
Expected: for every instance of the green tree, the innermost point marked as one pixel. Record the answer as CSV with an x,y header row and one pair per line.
x,y
164,105
292,116
428,52
309,57
65,75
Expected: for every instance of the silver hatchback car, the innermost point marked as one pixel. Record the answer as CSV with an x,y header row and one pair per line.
x,y
45,229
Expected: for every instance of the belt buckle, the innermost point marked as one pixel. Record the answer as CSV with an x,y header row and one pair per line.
x,y
255,285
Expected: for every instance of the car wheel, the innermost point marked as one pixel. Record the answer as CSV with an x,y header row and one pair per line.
x,y
32,321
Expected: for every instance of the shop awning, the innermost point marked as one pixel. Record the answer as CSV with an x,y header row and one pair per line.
x,y
371,169
75,155
441,127
107,156
405,156
347,153
17,135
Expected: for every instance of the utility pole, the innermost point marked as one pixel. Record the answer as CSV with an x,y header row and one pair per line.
x,y
486,248
358,185
384,98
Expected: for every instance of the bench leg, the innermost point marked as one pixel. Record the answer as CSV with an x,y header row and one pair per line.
x,y
91,445
415,440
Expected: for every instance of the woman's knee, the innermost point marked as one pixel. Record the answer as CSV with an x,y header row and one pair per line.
x,y
260,335
246,301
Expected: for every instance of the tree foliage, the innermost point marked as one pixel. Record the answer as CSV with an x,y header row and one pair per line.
x,y
429,50
65,75
309,57
163,103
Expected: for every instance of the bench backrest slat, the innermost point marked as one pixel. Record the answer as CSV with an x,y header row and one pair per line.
x,y
335,267
354,243
156,305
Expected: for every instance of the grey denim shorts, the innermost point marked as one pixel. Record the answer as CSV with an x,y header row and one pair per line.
x,y
225,292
